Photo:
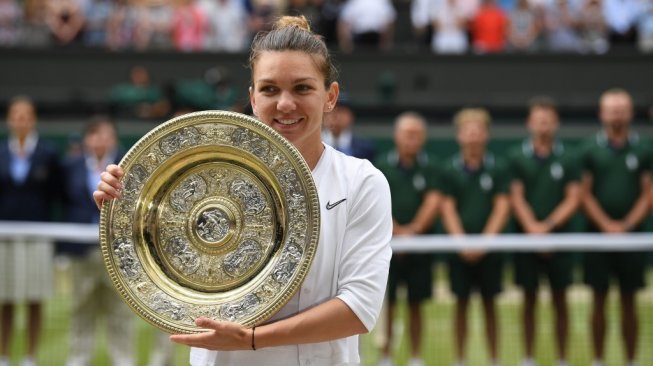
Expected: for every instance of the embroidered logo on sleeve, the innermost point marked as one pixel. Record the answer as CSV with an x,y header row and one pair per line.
x,y
332,205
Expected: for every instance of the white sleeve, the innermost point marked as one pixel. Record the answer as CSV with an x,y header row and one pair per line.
x,y
366,252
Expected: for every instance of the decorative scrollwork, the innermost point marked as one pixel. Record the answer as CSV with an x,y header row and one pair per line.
x,y
290,258
123,249
240,309
187,136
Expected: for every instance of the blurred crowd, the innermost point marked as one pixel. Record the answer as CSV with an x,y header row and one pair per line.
x,y
443,26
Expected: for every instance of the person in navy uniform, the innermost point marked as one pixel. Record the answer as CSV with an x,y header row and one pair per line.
x,y
93,294
338,132
29,186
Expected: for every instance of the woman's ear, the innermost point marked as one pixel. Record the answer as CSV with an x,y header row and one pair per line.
x,y
332,96
252,100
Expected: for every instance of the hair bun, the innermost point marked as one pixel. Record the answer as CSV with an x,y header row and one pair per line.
x,y
288,21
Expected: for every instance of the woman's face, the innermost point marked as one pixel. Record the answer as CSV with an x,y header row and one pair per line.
x,y
288,94
21,118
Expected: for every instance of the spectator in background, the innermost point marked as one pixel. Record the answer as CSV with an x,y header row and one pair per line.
x,y
329,13
189,25
468,8
155,25
263,15
616,179
449,28
592,27
489,28
122,26
561,24
421,18
35,31
475,202
645,26
366,24
139,98
11,20
97,14
29,186
415,193
525,28
66,21
338,133
545,194
620,16
227,29
214,91
94,296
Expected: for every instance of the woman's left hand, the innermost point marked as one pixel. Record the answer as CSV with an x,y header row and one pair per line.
x,y
220,335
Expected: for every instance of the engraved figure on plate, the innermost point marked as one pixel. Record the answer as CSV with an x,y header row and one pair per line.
x,y
213,225
182,256
241,260
246,306
187,136
124,253
249,195
190,190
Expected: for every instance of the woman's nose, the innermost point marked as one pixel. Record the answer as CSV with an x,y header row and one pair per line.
x,y
286,102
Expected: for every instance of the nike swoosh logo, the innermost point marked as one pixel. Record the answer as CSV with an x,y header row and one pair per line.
x,y
332,205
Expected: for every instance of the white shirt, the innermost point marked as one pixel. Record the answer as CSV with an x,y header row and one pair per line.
x,y
227,26
368,15
351,263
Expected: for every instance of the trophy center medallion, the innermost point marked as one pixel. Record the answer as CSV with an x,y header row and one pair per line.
x,y
214,225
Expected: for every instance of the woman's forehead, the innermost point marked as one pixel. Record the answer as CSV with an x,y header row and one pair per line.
x,y
286,65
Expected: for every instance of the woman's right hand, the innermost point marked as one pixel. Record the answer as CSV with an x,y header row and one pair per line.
x,y
109,186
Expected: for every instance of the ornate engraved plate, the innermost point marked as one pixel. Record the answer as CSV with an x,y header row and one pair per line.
x,y
219,217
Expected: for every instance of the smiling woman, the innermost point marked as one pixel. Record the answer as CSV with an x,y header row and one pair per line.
x,y
293,86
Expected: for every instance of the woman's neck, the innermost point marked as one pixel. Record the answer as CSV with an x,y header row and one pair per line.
x,y
312,154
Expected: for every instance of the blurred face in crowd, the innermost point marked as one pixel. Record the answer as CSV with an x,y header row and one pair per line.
x,y
616,112
339,120
21,118
100,140
472,136
410,136
543,122
140,76
289,95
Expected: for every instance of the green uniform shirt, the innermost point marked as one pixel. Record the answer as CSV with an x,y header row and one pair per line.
x,y
129,95
544,179
474,191
408,186
616,172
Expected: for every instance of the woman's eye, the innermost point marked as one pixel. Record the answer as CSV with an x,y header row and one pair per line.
x,y
302,88
267,89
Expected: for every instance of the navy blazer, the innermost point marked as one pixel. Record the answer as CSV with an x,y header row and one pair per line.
x,y
32,200
78,204
362,148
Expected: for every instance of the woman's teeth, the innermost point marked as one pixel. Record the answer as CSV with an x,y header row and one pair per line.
x,y
288,121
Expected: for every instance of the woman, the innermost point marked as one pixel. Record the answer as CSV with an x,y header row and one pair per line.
x,y
29,186
293,86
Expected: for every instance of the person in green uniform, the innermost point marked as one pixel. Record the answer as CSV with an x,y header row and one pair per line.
x,y
616,178
413,183
475,202
544,195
